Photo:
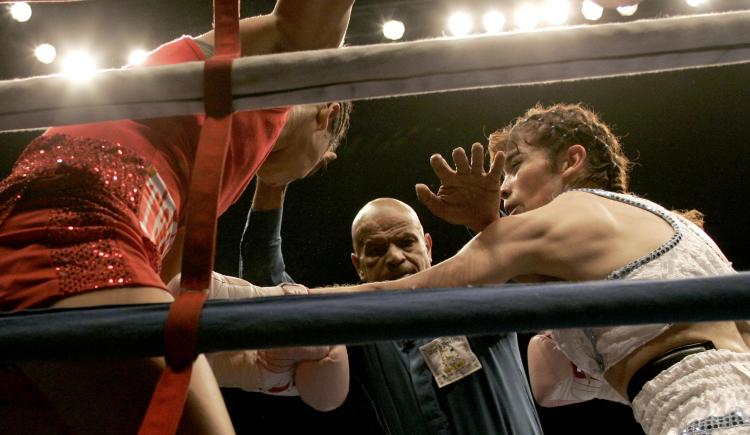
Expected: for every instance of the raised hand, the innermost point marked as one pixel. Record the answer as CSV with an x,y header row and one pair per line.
x,y
468,195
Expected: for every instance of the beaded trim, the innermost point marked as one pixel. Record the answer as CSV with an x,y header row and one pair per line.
x,y
706,426
652,208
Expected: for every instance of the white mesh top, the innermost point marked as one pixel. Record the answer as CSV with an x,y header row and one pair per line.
x,y
689,253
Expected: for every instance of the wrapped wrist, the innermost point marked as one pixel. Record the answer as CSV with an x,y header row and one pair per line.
x,y
290,288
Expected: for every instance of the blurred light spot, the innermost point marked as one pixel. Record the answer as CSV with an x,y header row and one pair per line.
x,y
45,53
79,66
627,11
696,3
137,57
460,24
20,12
591,11
556,12
393,29
493,21
527,16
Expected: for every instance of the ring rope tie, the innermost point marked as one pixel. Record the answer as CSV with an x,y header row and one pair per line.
x,y
181,328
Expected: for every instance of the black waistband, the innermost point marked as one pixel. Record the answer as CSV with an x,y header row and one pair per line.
x,y
661,363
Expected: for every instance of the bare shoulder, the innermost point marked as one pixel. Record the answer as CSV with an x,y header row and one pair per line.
x,y
595,235
579,232
605,213
579,198
579,211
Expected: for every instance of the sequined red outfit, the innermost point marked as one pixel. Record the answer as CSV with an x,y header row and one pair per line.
x,y
95,206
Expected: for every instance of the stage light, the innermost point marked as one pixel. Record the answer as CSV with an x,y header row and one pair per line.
x,y
627,11
591,11
45,53
20,11
137,57
696,3
393,29
556,12
527,16
493,21
460,24
79,66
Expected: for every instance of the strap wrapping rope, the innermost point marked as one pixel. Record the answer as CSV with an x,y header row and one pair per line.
x,y
137,331
393,69
181,328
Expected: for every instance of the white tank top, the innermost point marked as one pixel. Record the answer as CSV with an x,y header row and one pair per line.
x,y
689,253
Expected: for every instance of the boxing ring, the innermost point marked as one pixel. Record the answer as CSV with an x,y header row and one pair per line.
x,y
366,72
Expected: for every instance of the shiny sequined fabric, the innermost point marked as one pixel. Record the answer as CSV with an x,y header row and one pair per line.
x,y
80,198
109,166
708,425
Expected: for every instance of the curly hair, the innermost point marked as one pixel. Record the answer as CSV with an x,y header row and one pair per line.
x,y
557,127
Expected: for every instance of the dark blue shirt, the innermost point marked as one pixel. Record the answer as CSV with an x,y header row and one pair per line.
x,y
494,400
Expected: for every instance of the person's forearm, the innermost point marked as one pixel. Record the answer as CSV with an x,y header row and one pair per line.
x,y
311,24
324,384
261,259
293,25
229,287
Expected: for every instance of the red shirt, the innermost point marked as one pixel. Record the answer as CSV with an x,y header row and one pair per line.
x,y
169,144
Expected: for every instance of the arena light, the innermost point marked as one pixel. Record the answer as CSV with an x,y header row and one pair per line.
x,y
627,11
527,16
393,30
20,11
591,11
460,24
45,53
79,66
556,12
696,3
137,57
493,21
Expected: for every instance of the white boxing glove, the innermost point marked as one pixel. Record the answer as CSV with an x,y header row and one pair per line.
x,y
268,371
555,381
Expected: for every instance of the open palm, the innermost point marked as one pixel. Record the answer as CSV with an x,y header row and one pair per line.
x,y
468,195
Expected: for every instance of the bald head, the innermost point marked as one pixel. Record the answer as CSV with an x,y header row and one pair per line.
x,y
388,241
382,211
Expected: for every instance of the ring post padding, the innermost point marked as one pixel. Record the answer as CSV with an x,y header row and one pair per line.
x,y
181,327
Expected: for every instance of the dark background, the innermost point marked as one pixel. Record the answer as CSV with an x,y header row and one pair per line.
x,y
687,131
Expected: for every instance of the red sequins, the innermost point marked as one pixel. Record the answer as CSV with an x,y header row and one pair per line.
x,y
91,190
